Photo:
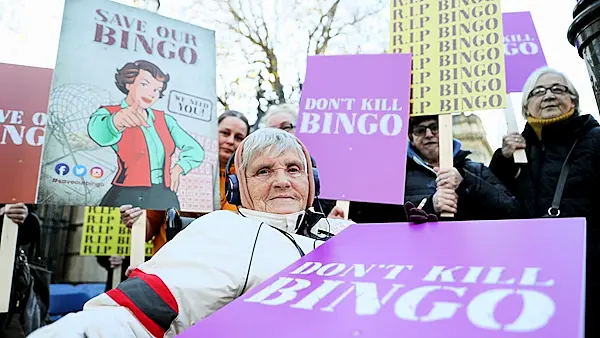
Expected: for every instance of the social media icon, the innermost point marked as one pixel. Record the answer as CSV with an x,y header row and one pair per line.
x,y
96,172
79,170
61,169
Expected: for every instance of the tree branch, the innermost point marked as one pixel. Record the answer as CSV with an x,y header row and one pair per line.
x,y
223,102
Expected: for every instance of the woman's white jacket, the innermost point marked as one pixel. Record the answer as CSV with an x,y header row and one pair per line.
x,y
213,261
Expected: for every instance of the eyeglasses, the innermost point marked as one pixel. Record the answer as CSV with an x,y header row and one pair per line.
x,y
541,91
421,130
287,127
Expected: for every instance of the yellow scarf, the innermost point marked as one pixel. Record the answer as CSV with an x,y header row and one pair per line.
x,y
537,124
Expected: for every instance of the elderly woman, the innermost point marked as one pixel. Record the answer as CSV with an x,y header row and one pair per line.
x,y
555,130
284,117
219,256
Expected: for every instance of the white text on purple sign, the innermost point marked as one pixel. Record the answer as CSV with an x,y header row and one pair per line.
x,y
524,44
318,286
377,115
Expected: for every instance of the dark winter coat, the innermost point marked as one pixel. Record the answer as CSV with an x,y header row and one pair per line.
x,y
480,195
536,182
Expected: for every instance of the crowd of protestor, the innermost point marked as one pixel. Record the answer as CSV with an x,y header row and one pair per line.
x,y
271,214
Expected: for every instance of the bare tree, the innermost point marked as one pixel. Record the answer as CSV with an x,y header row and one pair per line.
x,y
280,36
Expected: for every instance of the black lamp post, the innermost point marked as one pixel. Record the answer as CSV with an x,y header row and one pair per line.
x,y
584,33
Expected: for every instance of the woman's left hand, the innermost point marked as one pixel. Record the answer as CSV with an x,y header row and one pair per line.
x,y
17,212
337,212
130,269
115,261
175,174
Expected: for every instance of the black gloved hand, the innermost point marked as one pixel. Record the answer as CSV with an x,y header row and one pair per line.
x,y
418,216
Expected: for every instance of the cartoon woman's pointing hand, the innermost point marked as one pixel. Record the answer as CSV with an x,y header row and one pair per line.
x,y
130,117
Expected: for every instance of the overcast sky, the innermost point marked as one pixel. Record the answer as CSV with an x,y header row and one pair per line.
x,y
29,31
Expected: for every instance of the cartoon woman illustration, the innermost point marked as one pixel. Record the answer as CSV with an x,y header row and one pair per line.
x,y
144,140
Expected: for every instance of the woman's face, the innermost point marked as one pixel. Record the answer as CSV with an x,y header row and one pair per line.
x,y
278,184
550,97
145,89
231,132
283,121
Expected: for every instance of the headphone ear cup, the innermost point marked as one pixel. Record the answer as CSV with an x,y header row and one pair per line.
x,y
232,190
317,181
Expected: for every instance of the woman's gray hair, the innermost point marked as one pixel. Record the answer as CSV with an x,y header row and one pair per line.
x,y
281,109
274,141
530,84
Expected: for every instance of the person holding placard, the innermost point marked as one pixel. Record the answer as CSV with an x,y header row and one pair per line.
x,y
28,232
561,176
469,189
233,129
220,256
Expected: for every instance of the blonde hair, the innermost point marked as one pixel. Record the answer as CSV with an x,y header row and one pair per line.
x,y
532,80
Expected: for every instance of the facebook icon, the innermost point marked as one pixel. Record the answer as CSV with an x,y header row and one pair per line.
x,y
61,169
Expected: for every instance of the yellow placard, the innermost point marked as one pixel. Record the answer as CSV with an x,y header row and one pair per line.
x,y
105,235
457,49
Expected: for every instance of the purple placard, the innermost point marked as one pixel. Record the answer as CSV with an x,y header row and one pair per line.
x,y
519,278
353,119
522,49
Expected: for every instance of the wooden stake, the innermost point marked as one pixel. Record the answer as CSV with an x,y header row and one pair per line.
x,y
446,146
345,205
138,241
8,247
511,123
116,277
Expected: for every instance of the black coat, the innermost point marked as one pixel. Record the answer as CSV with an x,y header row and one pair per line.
x,y
480,195
536,183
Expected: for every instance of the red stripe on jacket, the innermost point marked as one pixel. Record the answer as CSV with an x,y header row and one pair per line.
x,y
158,286
161,289
120,298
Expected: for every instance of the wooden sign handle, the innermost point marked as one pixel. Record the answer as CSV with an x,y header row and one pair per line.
x,y
116,277
511,123
138,241
8,247
446,147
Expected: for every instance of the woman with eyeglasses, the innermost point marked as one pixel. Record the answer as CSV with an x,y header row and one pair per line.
x,y
555,127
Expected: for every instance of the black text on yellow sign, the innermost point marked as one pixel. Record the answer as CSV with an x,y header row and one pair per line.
x,y
105,235
458,53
